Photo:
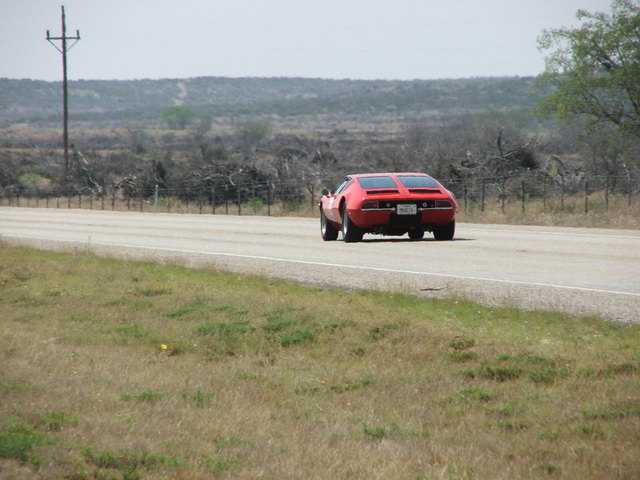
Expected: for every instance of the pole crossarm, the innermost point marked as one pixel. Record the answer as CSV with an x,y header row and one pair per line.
x,y
76,38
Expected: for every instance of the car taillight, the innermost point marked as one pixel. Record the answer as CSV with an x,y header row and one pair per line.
x,y
443,204
369,206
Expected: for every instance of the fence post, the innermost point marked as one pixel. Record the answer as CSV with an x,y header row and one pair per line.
x,y
606,195
465,198
253,198
284,199
269,199
213,199
522,192
586,197
155,196
504,192
482,197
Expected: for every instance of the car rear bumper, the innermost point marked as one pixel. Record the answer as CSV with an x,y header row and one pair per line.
x,y
371,219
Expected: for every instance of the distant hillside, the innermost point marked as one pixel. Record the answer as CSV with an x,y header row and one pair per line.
x,y
97,101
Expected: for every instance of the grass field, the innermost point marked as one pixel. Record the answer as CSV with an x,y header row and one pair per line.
x,y
116,370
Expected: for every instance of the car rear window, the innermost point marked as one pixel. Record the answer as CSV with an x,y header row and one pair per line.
x,y
369,183
412,181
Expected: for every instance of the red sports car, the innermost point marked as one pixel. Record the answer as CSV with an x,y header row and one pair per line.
x,y
388,204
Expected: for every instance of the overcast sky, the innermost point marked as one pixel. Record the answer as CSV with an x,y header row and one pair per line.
x,y
357,39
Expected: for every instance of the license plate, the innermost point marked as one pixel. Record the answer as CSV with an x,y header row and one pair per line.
x,y
407,209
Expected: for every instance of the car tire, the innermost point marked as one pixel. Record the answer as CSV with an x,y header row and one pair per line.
x,y
416,233
445,232
328,231
350,232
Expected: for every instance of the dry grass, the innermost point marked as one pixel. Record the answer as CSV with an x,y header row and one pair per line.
x,y
618,211
126,370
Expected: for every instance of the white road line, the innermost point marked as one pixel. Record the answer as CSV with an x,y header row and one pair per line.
x,y
89,243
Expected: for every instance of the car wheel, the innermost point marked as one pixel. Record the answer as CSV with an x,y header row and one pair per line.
x,y
328,231
445,232
416,233
350,233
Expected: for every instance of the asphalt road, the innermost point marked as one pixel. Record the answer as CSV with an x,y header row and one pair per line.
x,y
576,270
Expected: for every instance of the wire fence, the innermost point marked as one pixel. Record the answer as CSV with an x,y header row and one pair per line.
x,y
236,199
567,193
509,193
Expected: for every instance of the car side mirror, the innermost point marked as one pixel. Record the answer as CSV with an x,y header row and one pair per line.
x,y
325,192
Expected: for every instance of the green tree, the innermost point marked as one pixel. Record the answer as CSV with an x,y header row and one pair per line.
x,y
178,117
255,131
593,71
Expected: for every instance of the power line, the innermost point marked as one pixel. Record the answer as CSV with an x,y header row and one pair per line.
x,y
64,48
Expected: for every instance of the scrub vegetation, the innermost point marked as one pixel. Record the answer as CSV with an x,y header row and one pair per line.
x,y
115,369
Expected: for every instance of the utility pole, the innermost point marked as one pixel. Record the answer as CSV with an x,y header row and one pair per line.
x,y
64,48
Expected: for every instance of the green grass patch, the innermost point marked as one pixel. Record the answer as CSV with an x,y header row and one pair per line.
x,y
462,343
622,410
151,292
199,398
463,356
131,465
56,420
472,394
376,432
131,331
17,441
224,329
147,396
195,306
508,367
